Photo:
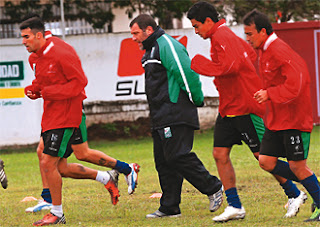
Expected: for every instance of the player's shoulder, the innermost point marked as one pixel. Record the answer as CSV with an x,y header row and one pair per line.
x,y
60,47
280,50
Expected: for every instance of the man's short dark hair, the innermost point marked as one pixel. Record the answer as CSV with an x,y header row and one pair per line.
x,y
34,23
201,10
143,21
259,19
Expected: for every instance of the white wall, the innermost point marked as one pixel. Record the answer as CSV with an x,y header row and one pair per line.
x,y
99,53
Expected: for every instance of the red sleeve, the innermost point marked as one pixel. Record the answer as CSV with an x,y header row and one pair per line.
x,y
224,63
292,86
34,87
76,80
251,52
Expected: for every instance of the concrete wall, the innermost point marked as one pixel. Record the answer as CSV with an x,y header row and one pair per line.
x,y
131,110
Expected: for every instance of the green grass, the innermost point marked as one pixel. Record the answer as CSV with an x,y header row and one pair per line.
x,y
87,203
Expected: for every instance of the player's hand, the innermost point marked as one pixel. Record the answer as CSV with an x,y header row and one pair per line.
x,y
32,95
261,96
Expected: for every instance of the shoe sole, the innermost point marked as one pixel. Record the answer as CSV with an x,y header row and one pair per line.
x,y
166,216
240,217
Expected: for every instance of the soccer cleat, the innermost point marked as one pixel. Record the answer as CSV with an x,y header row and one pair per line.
x,y
313,207
315,216
3,177
159,214
132,178
50,219
216,200
42,205
112,186
294,205
230,213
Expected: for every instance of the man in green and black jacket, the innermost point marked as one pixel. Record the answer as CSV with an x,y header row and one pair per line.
x,y
173,91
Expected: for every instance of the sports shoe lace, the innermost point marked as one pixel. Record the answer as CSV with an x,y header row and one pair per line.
x,y
290,201
47,216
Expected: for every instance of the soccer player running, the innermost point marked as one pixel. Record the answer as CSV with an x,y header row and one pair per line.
x,y
82,153
3,176
173,92
60,81
239,117
286,92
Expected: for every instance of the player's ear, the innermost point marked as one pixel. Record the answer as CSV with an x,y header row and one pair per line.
x,y
39,35
263,31
209,21
149,30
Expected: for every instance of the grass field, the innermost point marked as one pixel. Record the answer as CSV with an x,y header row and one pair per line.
x,y
87,203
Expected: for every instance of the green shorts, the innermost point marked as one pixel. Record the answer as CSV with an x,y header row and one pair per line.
x,y
229,131
57,142
291,144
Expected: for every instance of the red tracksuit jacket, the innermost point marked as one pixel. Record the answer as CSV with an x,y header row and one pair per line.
x,y
235,75
61,80
286,78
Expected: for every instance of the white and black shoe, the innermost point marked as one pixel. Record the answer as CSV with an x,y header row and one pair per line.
x,y
132,177
3,176
215,200
159,214
294,205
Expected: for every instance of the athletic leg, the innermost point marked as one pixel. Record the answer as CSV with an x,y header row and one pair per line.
x,y
84,153
77,171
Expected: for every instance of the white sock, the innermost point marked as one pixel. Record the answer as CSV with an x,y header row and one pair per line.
x,y
57,210
103,177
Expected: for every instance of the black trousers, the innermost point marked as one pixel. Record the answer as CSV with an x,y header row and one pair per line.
x,y
174,161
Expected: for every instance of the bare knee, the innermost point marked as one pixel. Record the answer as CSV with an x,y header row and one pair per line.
x,y
81,151
265,164
221,155
46,165
40,151
80,155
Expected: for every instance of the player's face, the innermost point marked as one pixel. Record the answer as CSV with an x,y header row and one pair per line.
x,y
138,35
202,28
253,37
31,40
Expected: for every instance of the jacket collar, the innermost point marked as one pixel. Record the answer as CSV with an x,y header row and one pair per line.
x,y
217,25
45,48
149,42
272,37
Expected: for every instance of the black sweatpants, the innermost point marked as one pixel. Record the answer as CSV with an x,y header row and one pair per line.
x,y
174,161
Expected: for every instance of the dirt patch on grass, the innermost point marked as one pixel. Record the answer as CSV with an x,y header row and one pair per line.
x,y
120,130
